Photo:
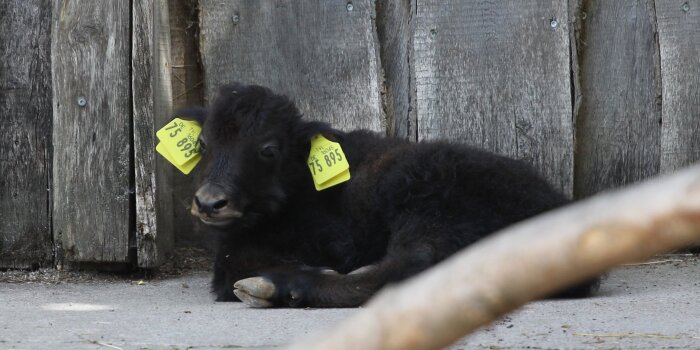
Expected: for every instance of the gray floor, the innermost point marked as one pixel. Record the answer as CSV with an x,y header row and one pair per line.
x,y
639,307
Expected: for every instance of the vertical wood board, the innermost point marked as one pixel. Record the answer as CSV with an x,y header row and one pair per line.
x,y
152,98
25,134
618,126
679,42
497,75
187,90
323,54
91,143
395,32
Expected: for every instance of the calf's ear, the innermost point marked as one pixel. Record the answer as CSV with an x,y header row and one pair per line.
x,y
197,114
304,131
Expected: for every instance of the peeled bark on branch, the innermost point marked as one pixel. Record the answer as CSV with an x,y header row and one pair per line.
x,y
523,263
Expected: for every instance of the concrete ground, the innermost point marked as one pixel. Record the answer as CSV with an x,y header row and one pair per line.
x,y
653,306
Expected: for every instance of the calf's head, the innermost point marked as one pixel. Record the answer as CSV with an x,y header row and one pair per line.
x,y
254,146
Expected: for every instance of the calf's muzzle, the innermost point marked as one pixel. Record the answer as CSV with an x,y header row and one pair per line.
x,y
212,205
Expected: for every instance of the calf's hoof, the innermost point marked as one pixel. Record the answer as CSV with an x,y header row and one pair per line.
x,y
255,291
278,289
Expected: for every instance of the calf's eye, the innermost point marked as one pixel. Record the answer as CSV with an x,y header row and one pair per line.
x,y
269,152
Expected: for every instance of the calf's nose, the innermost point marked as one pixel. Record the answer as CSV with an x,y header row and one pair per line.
x,y
210,199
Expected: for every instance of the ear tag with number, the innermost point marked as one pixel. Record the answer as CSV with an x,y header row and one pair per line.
x,y
179,144
327,163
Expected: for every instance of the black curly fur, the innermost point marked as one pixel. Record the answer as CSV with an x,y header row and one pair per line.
x,y
407,206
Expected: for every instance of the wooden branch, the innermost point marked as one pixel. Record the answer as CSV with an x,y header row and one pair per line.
x,y
525,262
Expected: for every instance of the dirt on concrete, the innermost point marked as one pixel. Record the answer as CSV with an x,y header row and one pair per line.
x,y
654,305
180,261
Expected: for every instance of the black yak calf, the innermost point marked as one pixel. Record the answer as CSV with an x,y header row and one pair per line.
x,y
407,206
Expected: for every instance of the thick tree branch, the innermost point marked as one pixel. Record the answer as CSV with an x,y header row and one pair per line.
x,y
525,262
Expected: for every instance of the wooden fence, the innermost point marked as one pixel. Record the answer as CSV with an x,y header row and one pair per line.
x,y
596,94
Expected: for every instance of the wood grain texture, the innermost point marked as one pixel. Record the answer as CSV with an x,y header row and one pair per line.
x,y
318,52
187,91
679,42
618,126
25,134
152,107
91,170
395,31
496,75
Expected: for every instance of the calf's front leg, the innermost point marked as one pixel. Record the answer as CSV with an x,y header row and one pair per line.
x,y
325,288
232,265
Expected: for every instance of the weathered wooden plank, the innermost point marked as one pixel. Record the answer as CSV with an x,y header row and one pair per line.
x,y
321,53
679,43
395,31
496,75
152,103
25,133
187,90
91,143
618,127
186,71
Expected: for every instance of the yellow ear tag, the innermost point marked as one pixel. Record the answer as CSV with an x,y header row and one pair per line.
x,y
185,168
327,163
179,144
